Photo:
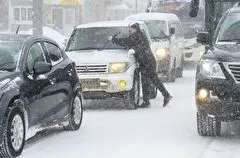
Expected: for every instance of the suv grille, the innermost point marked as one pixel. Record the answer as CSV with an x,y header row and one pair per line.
x,y
235,71
91,69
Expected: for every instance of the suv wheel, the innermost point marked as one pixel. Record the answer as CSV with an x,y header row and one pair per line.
x,y
132,97
179,72
14,134
76,114
208,126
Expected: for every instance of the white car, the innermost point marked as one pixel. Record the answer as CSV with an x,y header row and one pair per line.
x,y
106,72
167,42
193,51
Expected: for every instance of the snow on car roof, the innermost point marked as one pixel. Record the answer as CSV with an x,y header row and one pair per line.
x,y
109,24
153,16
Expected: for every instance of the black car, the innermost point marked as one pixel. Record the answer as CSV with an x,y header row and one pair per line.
x,y
39,87
218,76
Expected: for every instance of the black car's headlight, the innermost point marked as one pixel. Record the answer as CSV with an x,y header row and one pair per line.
x,y
211,68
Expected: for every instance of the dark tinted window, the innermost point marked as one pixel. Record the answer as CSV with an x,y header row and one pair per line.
x,y
54,53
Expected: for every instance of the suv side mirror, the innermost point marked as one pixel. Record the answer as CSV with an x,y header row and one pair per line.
x,y
131,52
203,38
172,31
42,67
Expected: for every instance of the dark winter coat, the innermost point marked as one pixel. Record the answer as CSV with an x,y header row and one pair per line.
x,y
140,44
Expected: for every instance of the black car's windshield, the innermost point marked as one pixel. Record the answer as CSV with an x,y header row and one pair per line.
x,y
230,31
9,55
157,28
95,38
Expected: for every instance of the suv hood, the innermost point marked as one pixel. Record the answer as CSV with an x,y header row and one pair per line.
x,y
224,53
99,57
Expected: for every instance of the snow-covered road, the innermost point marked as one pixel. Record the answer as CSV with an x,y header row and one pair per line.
x,y
156,132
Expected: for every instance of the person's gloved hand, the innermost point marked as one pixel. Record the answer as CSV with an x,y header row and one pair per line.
x,y
110,38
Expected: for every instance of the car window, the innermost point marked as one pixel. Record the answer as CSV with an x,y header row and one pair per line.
x,y
54,52
157,28
95,38
35,54
230,29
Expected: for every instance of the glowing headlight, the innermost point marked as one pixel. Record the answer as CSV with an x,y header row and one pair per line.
x,y
118,67
162,52
211,68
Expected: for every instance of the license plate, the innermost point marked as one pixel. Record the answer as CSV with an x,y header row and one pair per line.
x,y
90,83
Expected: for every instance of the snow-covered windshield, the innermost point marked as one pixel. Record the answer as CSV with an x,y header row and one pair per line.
x,y
9,54
95,38
230,29
157,29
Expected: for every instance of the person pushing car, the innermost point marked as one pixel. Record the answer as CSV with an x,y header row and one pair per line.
x,y
147,63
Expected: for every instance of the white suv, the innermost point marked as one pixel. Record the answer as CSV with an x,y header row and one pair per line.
x,y
105,72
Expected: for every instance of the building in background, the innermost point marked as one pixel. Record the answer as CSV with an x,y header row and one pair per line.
x,y
93,10
4,11
61,15
118,9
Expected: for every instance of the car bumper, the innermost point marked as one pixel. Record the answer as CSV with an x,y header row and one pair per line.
x,y
107,84
222,101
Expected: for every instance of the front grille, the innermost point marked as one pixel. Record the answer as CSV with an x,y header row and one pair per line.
x,y
91,69
235,71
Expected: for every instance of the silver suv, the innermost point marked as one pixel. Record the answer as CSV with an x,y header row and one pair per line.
x,y
108,72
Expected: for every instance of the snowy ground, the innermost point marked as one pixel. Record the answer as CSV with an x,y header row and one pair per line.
x,y
156,132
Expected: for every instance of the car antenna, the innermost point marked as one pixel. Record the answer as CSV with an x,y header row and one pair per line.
x,y
17,29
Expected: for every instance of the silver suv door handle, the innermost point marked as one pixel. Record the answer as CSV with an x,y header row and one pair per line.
x,y
52,81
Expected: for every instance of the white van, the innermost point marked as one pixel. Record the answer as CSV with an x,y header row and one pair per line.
x,y
167,42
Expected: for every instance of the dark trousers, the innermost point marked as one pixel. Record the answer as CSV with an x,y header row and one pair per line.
x,y
149,76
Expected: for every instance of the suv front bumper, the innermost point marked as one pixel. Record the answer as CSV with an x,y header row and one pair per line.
x,y
222,99
108,85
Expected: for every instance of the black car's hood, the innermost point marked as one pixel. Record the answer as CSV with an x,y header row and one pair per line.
x,y
9,78
224,53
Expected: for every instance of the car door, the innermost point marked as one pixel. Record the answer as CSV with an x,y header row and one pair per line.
x,y
38,89
62,70
180,42
173,43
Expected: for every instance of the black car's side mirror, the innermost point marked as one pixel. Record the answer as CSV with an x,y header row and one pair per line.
x,y
42,67
172,31
203,38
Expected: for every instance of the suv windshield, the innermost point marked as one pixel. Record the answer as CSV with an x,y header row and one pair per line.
x,y
157,29
230,31
95,38
9,55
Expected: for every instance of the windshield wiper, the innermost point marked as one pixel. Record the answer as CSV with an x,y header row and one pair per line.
x,y
85,48
230,40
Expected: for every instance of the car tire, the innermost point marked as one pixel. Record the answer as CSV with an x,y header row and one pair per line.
x,y
75,114
132,97
179,72
208,126
14,134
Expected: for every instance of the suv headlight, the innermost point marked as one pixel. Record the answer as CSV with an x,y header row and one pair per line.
x,y
118,67
162,53
211,68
